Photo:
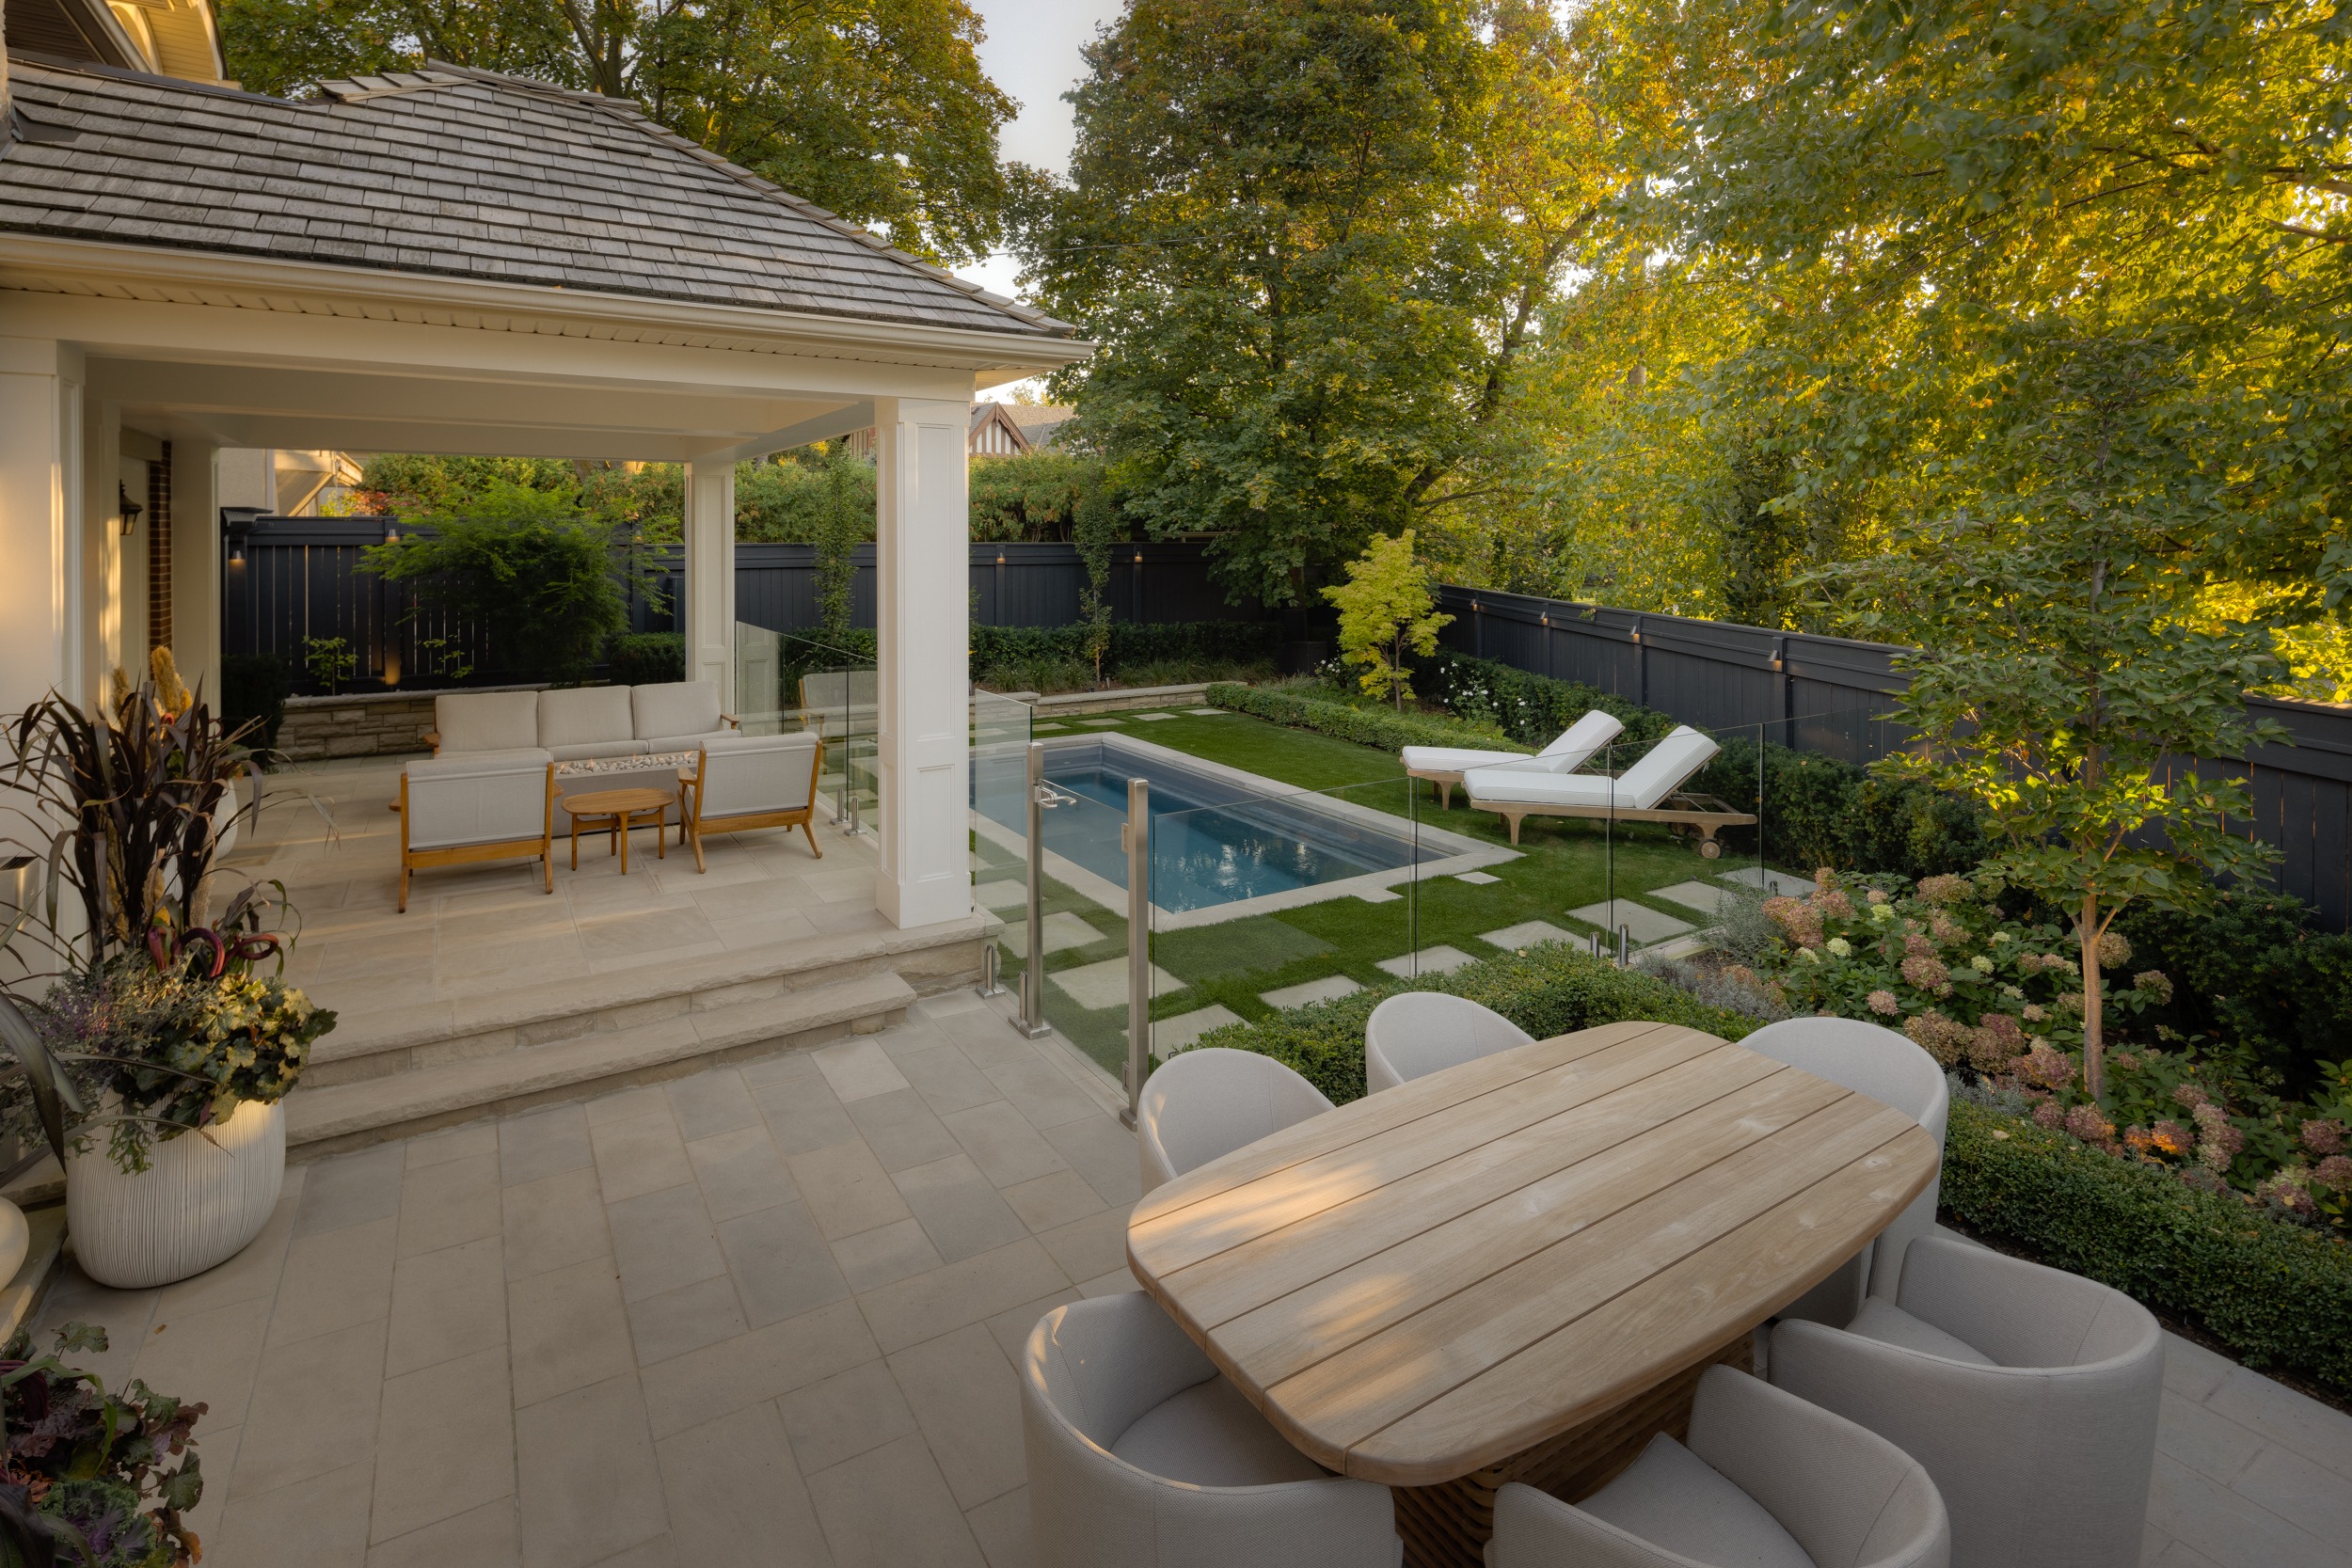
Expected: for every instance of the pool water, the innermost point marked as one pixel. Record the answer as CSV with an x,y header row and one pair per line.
x,y
1212,842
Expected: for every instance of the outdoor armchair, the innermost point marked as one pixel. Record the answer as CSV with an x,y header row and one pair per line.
x,y
2029,1394
1141,1455
753,780
480,806
1417,1033
1444,766
1203,1104
1766,1481
1888,1068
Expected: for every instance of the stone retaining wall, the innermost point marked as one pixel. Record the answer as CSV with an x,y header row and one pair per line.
x,y
365,724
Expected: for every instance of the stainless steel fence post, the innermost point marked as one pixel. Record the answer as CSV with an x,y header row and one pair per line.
x,y
1137,834
1032,1020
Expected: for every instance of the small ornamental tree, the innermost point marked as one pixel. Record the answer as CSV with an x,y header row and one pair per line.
x,y
2067,679
1385,608
845,521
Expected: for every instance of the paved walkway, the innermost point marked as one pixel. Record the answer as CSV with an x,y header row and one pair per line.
x,y
768,1315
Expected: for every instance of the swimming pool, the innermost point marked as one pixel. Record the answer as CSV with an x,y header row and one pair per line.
x,y
1224,841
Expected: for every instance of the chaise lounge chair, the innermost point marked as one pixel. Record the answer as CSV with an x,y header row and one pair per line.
x,y
1444,766
1649,791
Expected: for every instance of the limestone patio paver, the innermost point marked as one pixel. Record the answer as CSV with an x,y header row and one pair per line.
x,y
472,930
769,1313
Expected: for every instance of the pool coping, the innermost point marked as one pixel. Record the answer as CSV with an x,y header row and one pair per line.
x,y
1467,854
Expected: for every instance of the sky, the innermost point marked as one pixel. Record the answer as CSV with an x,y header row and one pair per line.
x,y
1032,52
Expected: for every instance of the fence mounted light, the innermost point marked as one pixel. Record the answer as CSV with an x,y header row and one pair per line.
x,y
126,510
392,536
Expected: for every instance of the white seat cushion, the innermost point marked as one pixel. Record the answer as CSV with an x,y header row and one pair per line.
x,y
673,709
1453,759
1889,1324
486,720
585,750
1540,786
1209,1435
1672,1499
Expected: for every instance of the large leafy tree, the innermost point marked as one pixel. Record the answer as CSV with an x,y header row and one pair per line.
x,y
1317,239
877,109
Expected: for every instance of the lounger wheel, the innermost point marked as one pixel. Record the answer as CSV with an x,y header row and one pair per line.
x,y
1709,849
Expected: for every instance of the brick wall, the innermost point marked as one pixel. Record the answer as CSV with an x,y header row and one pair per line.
x,y
159,551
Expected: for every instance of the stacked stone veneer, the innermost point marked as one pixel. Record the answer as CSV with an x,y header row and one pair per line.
x,y
365,725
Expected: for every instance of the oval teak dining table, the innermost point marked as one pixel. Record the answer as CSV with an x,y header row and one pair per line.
x,y
1515,1269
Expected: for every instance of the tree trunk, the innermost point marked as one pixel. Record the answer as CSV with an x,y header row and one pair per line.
x,y
2094,1039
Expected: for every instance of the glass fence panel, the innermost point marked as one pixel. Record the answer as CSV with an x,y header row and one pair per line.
x,y
1082,914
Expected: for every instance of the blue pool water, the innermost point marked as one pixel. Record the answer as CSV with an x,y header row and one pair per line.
x,y
1212,842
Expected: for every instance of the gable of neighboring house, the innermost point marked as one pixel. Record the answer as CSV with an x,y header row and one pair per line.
x,y
167,38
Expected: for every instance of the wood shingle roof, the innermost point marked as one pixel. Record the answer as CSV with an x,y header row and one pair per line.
x,y
453,172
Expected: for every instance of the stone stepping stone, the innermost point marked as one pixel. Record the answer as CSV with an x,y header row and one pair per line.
x,y
1095,986
1171,1035
1440,959
1002,896
1047,729
1646,925
1063,931
1205,712
1706,897
1476,879
1527,933
1329,989
1380,896
1102,723
1773,883
1153,718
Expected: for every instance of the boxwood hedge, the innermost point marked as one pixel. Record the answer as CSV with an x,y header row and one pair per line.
x,y
2276,1293
1368,726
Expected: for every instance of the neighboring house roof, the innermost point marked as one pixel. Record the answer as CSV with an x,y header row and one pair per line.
x,y
453,172
176,37
1040,422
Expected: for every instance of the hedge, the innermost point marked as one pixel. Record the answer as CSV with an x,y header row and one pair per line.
x,y
1369,726
1547,991
2277,1293
647,659
1132,643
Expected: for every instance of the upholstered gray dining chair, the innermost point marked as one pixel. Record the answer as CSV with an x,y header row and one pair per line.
x,y
1766,1481
1202,1103
1889,1069
1417,1033
2029,1394
1141,1455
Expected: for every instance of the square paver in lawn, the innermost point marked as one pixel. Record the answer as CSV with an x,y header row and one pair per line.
x,y
1153,717
1706,897
1380,896
1063,931
1171,1035
1047,729
1204,713
1003,895
1527,933
1646,925
1095,987
1327,989
1429,960
1102,723
1780,883
1476,879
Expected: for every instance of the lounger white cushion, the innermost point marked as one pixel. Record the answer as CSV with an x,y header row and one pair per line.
x,y
582,721
1206,1103
1889,1069
2029,1394
1663,769
486,720
1571,750
1417,1033
1140,1455
1766,1481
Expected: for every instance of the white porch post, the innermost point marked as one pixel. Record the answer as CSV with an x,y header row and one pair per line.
x,y
41,523
923,600
709,595
196,585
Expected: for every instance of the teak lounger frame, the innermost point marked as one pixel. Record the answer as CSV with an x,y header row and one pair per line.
x,y
1702,815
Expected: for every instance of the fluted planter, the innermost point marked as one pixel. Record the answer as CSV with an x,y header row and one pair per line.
x,y
197,1205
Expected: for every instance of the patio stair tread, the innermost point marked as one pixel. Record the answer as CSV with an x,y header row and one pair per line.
x,y
340,1110
380,1029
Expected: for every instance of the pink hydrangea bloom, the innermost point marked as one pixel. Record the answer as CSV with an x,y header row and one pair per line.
x,y
1884,1004
2086,1123
2334,1171
1925,972
2322,1137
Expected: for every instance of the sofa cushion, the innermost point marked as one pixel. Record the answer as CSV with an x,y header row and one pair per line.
x,y
675,709
588,748
689,742
486,720
583,715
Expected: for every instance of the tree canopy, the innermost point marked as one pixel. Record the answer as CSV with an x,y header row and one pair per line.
x,y
876,109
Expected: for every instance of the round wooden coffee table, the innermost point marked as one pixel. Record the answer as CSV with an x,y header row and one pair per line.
x,y
615,812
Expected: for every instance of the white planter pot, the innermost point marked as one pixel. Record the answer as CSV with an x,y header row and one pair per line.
x,y
197,1205
16,1240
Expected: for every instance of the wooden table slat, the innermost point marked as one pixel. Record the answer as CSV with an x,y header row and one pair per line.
x,y
1254,1209
1655,1332
1381,1286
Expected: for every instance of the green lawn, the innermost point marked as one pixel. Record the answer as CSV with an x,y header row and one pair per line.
x,y
1562,866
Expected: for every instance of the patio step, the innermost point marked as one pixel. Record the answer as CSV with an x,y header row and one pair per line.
x,y
387,1041
324,1120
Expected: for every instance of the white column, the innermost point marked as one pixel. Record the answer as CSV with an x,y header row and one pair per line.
x,y
101,550
923,600
40,518
195,567
709,600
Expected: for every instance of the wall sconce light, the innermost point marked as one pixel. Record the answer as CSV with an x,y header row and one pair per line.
x,y
126,510
391,534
